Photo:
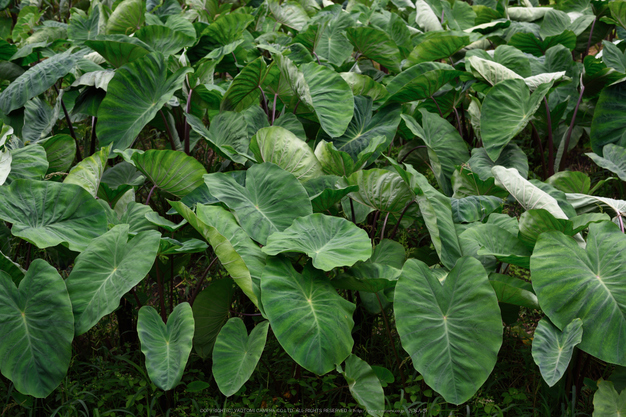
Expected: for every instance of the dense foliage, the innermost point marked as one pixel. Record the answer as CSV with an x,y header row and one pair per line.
x,y
296,177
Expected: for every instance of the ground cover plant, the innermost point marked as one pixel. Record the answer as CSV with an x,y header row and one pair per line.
x,y
311,207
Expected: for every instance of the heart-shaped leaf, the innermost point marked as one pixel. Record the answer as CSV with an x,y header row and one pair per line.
x,y
572,282
236,354
134,96
109,268
172,171
452,331
310,320
166,346
364,385
37,330
553,348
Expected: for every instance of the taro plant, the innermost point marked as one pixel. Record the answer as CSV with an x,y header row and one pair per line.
x,y
394,160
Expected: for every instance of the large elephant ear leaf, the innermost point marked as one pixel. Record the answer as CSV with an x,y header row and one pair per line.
x,y
134,96
506,111
553,348
310,320
127,17
245,89
88,172
322,90
35,81
37,330
364,385
330,241
452,331
270,201
105,271
166,346
609,117
571,282
210,312
236,354
227,134
49,213
172,171
283,148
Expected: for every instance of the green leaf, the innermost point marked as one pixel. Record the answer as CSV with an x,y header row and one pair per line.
x,y
227,134
572,282
364,385
513,291
166,346
163,39
28,163
270,201
122,174
326,191
210,312
495,241
127,17
381,190
474,208
570,182
36,80
49,213
426,18
375,45
362,85
446,148
614,159
618,12
609,120
82,26
553,348
438,45
330,241
420,82
245,89
466,183
533,223
88,172
506,111
109,268
224,250
281,147
310,320
37,330
365,127
452,331
134,96
172,171
60,152
119,50
322,90
607,402
527,194
531,44
236,355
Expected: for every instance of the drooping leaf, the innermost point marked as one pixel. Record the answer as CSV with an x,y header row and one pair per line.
x,y
572,282
326,191
49,213
310,320
119,50
172,171
533,223
235,354
109,268
453,330
88,172
364,385
381,190
166,346
613,159
270,201
511,290
60,152
608,125
495,241
438,45
376,45
227,134
37,330
553,348
134,96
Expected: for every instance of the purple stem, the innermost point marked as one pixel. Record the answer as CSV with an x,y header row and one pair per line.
x,y
150,195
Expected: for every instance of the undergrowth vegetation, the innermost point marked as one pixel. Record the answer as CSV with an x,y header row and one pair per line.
x,y
304,207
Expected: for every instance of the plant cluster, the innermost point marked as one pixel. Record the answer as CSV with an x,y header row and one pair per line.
x,y
374,167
